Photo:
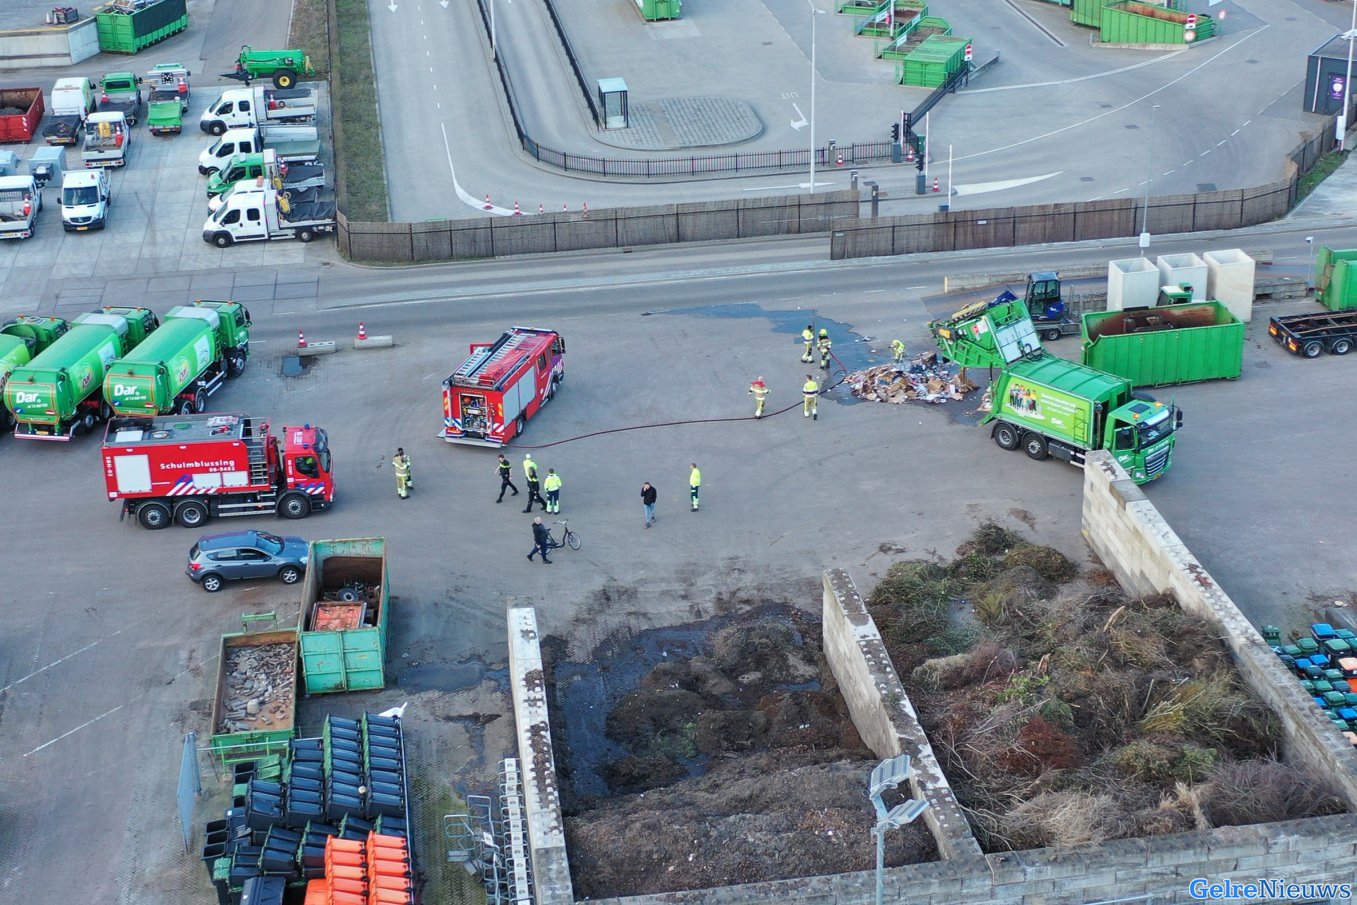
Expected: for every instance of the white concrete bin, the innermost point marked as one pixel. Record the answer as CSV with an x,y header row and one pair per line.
x,y
1229,280
1132,283
1187,268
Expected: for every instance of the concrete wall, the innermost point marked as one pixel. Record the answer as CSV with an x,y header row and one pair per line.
x,y
541,795
47,46
1139,547
882,712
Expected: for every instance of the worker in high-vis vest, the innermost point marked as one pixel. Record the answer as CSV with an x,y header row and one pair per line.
x,y
552,485
759,391
897,351
825,345
808,337
401,463
809,394
694,484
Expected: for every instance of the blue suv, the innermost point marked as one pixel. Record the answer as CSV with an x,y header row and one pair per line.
x,y
218,558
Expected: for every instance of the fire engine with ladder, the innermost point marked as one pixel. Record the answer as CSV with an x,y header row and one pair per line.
x,y
188,468
489,399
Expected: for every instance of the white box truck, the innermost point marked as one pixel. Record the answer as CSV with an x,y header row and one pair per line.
x,y
245,107
291,144
256,216
85,199
107,140
20,201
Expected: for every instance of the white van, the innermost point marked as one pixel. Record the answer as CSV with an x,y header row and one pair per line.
x,y
85,199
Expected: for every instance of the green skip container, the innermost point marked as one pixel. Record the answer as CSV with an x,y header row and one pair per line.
x,y
933,61
126,26
1128,22
1165,346
346,606
245,662
1336,278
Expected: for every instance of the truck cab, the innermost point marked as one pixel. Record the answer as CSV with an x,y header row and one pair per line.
x,y
233,142
121,91
85,199
169,99
72,100
253,216
107,139
233,110
20,202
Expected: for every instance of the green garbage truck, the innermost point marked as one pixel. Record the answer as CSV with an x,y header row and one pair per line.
x,y
20,340
1048,406
59,391
191,356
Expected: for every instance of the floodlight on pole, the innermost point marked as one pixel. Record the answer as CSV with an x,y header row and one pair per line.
x,y
814,13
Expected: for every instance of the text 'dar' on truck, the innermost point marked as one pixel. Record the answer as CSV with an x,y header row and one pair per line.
x,y
489,400
191,468
1048,406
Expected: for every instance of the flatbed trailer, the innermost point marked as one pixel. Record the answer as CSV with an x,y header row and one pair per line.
x,y
1311,335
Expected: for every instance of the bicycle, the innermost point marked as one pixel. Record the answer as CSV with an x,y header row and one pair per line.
x,y
568,538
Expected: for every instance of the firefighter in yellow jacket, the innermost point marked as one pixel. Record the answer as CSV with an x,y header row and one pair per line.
x,y
401,463
759,391
810,393
552,485
808,337
825,346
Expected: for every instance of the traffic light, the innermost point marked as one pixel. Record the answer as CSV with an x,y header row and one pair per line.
x,y
895,131
908,120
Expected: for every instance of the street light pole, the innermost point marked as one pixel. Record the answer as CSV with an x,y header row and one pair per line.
x,y
1342,124
1149,179
1310,276
814,13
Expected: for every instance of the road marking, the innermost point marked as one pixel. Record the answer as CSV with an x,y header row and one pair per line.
x,y
1167,172
1221,142
55,663
1189,73
439,104
802,185
1187,163
871,291
799,123
980,188
1246,122
1234,133
461,192
1207,151
50,742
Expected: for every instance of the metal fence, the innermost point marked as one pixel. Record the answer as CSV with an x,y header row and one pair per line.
x,y
490,237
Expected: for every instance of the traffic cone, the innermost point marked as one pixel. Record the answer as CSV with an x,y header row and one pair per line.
x,y
362,331
540,208
564,209
935,184
488,206
517,212
301,340
586,209
838,160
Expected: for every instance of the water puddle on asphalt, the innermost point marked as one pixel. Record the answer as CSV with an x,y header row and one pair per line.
x,y
452,676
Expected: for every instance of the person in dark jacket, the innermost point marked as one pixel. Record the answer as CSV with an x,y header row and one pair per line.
x,y
648,497
506,478
541,540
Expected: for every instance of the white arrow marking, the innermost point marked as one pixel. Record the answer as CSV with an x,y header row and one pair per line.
x,y
980,188
392,7
798,124
443,3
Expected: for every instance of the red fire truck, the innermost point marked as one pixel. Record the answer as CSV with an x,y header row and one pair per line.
x,y
489,399
191,467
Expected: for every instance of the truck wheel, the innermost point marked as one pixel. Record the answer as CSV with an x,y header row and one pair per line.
x,y
284,78
88,419
153,516
218,128
1051,335
1035,447
1340,347
1006,435
520,425
305,235
223,240
200,401
294,506
1312,349
211,583
289,574
184,407
235,364
105,411
192,514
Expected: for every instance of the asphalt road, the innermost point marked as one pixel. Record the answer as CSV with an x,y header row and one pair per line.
x,y
109,650
1056,119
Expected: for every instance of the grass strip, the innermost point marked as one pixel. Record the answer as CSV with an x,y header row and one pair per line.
x,y
310,31
359,158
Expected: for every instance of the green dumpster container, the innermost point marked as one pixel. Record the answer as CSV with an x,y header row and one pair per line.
x,y
1087,12
655,10
237,734
346,607
126,28
933,61
1128,22
1336,278
1164,346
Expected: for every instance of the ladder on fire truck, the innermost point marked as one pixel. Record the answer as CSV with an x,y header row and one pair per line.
x,y
254,443
489,356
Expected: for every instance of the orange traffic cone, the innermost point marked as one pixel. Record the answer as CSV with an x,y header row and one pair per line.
x,y
362,331
564,208
517,212
838,160
301,340
586,209
488,206
935,184
540,208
